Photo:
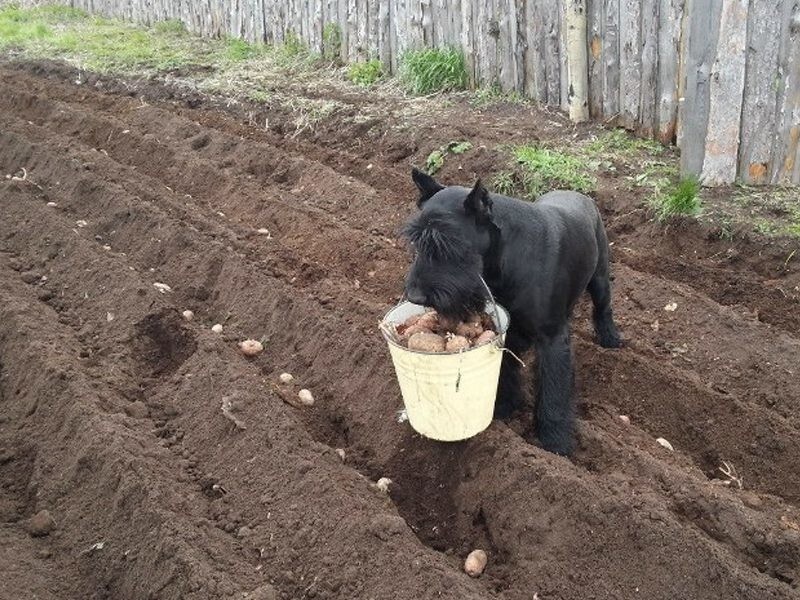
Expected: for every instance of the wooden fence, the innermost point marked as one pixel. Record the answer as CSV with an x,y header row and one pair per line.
x,y
721,78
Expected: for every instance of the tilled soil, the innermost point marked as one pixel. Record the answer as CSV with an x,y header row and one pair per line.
x,y
111,402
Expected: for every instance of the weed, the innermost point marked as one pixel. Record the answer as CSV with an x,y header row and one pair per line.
x,y
459,147
620,143
171,26
487,96
332,42
547,169
292,45
433,70
682,198
503,183
434,162
366,73
237,49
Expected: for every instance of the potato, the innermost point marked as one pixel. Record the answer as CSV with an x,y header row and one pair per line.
x,y
456,343
426,342
416,328
306,397
251,347
429,320
475,563
485,337
217,328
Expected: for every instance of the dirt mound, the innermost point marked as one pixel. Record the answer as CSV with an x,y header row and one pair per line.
x,y
175,467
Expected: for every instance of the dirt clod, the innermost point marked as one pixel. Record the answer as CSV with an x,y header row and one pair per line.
x,y
41,524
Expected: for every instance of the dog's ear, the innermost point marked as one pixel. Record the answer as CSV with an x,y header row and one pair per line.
x,y
479,203
426,185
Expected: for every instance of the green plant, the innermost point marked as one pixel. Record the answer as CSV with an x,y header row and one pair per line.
x,y
545,169
503,183
170,26
366,73
238,49
293,45
433,70
332,42
620,143
434,162
682,198
459,147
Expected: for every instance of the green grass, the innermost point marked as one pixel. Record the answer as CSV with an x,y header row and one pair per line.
x,y
433,70
618,143
544,169
488,96
366,73
681,198
332,43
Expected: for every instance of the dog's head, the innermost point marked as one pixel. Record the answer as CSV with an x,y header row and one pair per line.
x,y
450,236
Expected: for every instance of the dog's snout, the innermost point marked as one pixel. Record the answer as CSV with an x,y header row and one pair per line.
x,y
415,295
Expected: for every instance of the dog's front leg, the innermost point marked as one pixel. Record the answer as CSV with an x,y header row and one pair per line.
x,y
555,415
509,389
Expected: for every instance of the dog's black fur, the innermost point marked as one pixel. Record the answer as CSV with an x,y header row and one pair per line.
x,y
537,259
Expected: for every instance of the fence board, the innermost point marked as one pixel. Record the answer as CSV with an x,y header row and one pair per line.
x,y
725,98
786,165
630,63
669,48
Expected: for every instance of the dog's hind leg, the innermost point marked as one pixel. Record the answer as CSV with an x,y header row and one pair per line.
x,y
509,388
555,414
600,290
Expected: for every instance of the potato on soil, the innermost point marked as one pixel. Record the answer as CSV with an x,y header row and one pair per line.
x,y
251,347
475,563
456,343
426,342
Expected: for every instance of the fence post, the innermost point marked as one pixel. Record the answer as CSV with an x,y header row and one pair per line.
x,y
577,60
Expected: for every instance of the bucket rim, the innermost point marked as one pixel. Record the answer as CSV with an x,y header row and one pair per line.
x,y
498,340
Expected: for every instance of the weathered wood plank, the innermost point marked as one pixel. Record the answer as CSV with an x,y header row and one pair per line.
x,y
726,89
630,62
669,38
611,60
786,163
646,122
761,72
703,33
595,32
552,59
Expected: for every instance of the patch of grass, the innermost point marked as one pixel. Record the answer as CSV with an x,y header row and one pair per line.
x,y
20,27
504,183
366,73
171,26
545,169
682,198
292,45
433,70
237,49
332,43
620,143
487,96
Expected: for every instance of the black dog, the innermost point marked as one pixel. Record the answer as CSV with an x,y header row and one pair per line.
x,y
537,258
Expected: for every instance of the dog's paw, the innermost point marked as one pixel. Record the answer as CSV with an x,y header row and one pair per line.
x,y
610,341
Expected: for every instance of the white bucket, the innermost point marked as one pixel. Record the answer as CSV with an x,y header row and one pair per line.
x,y
448,396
